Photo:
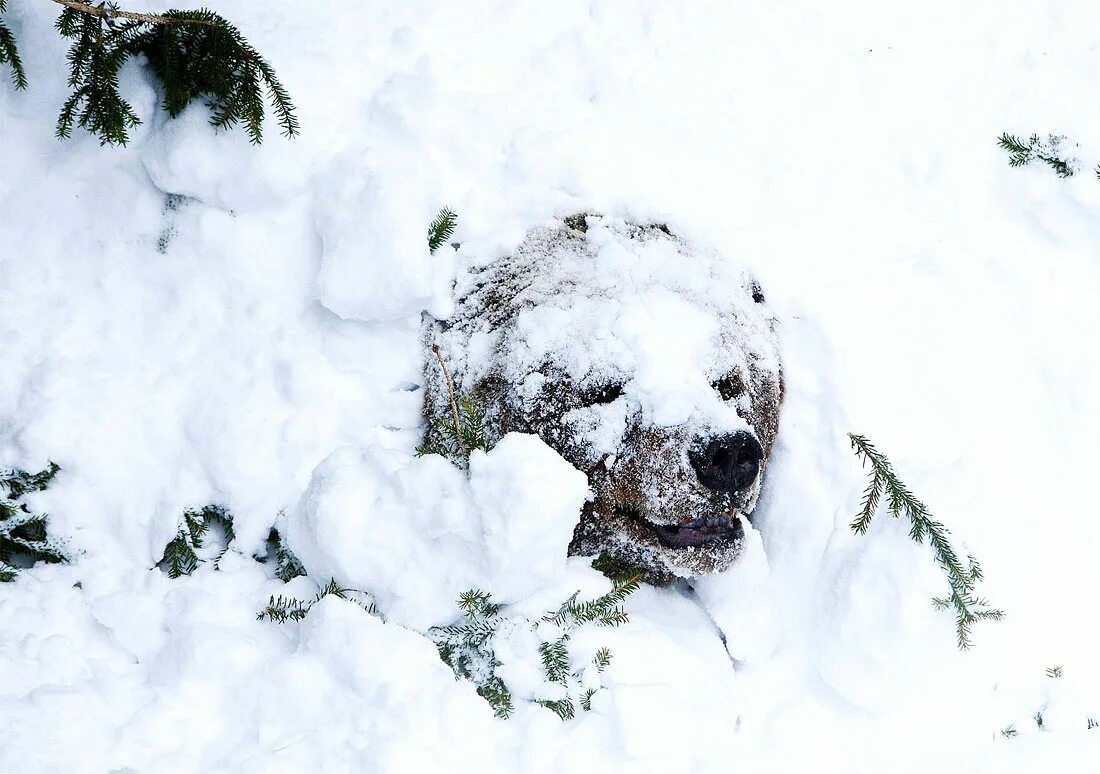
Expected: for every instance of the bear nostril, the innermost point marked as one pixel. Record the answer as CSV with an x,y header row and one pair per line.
x,y
729,463
720,458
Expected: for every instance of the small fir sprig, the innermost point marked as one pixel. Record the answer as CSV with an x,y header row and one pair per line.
x,y
1054,672
281,609
455,438
441,229
24,539
961,579
287,565
9,53
1048,151
467,646
180,555
195,55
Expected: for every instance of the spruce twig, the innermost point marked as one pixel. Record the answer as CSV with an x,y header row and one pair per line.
x,y
1048,151
454,403
442,228
281,609
467,646
9,53
23,535
961,579
194,53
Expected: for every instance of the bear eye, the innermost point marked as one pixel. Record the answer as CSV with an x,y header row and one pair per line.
x,y
608,393
729,386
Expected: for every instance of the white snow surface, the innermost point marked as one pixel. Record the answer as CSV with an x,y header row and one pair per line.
x,y
928,296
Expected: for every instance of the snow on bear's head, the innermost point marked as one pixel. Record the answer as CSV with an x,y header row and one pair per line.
x,y
648,362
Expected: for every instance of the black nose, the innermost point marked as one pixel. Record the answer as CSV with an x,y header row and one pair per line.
x,y
728,463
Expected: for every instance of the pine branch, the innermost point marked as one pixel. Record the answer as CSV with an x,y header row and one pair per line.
x,y
9,53
24,535
281,609
466,646
1048,151
602,659
457,438
195,54
563,708
20,482
180,556
441,229
555,660
899,500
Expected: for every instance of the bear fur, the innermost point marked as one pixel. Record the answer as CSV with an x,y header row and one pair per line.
x,y
648,362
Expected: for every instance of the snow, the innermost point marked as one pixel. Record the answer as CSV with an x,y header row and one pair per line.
x,y
928,296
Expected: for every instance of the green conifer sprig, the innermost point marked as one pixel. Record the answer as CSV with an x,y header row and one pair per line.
x,y
24,539
287,565
467,646
1048,151
195,54
456,443
441,229
969,609
456,437
180,557
281,609
9,53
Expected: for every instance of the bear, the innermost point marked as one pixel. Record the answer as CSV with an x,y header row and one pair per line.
x,y
648,361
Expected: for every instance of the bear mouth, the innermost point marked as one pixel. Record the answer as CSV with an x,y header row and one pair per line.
x,y
698,532
690,533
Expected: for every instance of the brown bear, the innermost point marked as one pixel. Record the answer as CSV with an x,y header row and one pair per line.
x,y
647,361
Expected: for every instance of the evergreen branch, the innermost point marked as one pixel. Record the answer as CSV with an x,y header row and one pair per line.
x,y
563,708
1048,151
466,646
441,229
194,54
9,53
555,660
281,609
454,405
20,482
24,535
900,500
499,697
602,659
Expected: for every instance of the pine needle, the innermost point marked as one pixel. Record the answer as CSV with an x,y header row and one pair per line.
x,y
442,228
9,53
195,54
961,579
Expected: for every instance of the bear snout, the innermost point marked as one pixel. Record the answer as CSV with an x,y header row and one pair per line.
x,y
728,463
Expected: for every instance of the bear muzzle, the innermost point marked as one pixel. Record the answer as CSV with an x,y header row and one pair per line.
x,y
729,464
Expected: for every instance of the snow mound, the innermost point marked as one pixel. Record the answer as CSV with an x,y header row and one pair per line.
x,y
415,533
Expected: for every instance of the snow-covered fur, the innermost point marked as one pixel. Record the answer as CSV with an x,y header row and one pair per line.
x,y
647,361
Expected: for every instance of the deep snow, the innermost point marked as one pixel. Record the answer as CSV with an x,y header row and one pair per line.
x,y
929,296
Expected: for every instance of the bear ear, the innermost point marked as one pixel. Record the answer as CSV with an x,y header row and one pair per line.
x,y
578,221
757,292
729,386
598,396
